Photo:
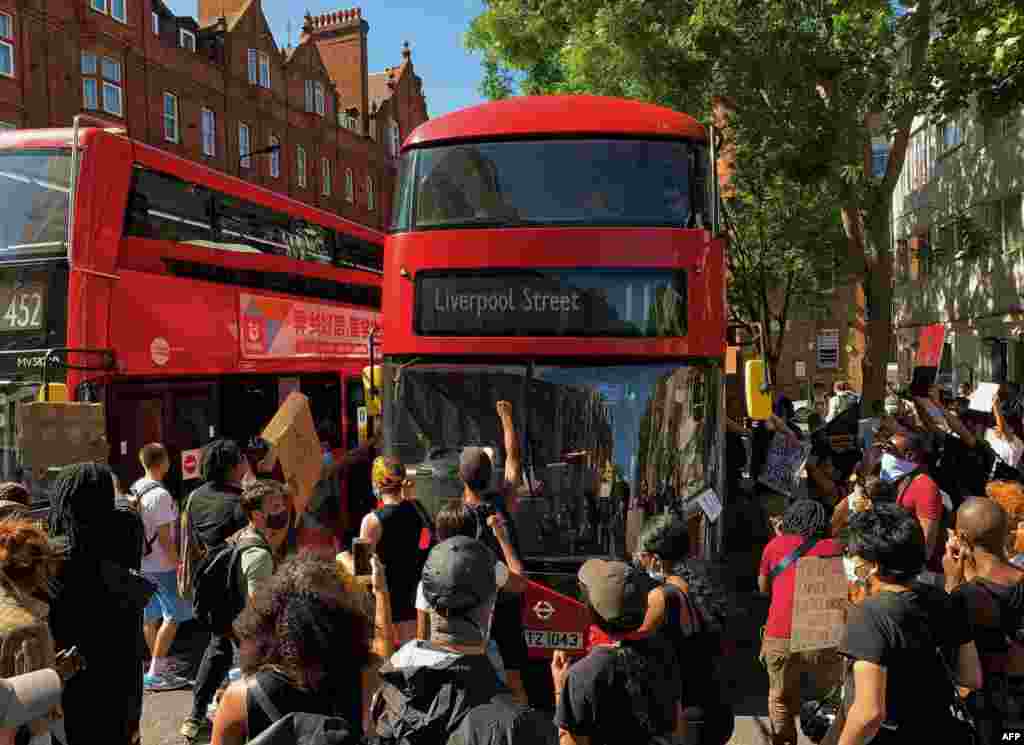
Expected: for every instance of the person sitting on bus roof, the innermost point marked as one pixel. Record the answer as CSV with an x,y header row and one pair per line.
x,y
475,470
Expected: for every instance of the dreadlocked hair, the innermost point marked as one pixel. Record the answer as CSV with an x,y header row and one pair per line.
x,y
667,537
303,624
82,507
641,672
807,518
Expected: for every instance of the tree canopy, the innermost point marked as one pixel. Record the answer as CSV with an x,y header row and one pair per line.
x,y
814,83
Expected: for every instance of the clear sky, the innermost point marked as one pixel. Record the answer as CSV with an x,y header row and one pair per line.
x,y
433,29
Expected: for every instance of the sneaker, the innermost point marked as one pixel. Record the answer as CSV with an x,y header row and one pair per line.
x,y
164,682
191,728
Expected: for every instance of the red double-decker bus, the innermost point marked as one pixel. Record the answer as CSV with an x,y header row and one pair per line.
x,y
561,253
188,301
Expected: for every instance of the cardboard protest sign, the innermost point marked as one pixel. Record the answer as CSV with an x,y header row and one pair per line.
x,y
983,397
54,435
819,604
293,441
783,464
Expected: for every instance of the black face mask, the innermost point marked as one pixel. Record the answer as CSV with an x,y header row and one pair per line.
x,y
277,520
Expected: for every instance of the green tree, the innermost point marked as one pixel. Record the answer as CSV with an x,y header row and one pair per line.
x,y
815,81
785,243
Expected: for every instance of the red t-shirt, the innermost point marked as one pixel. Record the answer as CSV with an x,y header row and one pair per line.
x,y
780,614
924,499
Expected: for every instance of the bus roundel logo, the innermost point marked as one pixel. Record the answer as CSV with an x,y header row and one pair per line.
x,y
543,610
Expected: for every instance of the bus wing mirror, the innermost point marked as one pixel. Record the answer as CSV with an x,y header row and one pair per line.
x,y
759,401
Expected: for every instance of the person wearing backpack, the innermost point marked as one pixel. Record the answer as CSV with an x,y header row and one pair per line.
x,y
979,576
805,528
213,514
430,687
304,645
159,563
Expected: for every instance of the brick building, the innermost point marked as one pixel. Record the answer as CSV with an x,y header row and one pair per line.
x,y
216,87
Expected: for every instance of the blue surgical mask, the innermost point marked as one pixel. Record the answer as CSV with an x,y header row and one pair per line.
x,y
894,468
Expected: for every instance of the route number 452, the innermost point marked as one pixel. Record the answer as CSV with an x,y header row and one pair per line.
x,y
25,310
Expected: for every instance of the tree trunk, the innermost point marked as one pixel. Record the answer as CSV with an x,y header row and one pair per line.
x,y
876,314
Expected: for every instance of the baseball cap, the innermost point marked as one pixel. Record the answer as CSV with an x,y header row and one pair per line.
x,y
475,466
25,698
616,591
459,575
388,472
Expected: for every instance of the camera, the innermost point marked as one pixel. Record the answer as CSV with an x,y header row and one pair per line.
x,y
817,718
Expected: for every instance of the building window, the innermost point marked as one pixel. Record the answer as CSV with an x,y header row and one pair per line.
x,y
254,71
300,165
156,23
209,129
394,138
371,197
325,177
115,8
6,45
170,117
243,146
950,135
315,97
264,69
275,157
187,40
101,84
350,187
879,160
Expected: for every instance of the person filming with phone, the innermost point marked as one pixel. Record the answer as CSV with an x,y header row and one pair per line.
x,y
979,576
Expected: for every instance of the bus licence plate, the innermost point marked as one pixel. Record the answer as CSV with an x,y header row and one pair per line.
x,y
554,639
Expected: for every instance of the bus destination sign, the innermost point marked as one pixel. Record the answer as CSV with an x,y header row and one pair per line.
x,y
572,302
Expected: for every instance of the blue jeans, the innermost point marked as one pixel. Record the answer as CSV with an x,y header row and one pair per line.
x,y
165,603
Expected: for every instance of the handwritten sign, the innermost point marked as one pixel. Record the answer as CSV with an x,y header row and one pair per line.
x,y
783,464
982,398
293,441
819,604
710,503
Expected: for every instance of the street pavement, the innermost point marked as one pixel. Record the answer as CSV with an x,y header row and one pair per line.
x,y
163,712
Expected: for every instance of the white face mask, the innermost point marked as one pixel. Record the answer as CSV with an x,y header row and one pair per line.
x,y
893,468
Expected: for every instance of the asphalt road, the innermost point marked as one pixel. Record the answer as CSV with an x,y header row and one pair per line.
x,y
163,712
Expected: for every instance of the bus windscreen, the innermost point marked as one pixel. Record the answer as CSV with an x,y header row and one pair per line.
x,y
570,182
34,192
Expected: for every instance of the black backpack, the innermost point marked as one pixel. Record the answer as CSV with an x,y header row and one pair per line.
x,y
217,595
504,721
147,543
301,728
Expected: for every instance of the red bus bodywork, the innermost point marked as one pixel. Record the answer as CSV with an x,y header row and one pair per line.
x,y
698,252
195,342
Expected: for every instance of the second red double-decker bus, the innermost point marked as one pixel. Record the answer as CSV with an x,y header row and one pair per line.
x,y
188,301
560,253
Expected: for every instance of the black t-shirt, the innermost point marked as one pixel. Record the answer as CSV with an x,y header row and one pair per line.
x,y
215,511
399,552
994,612
286,698
596,702
900,631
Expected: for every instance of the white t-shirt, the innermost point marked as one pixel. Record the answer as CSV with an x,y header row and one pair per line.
x,y
1009,448
157,509
500,578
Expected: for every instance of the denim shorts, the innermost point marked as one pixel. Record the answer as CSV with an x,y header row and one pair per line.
x,y
165,603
